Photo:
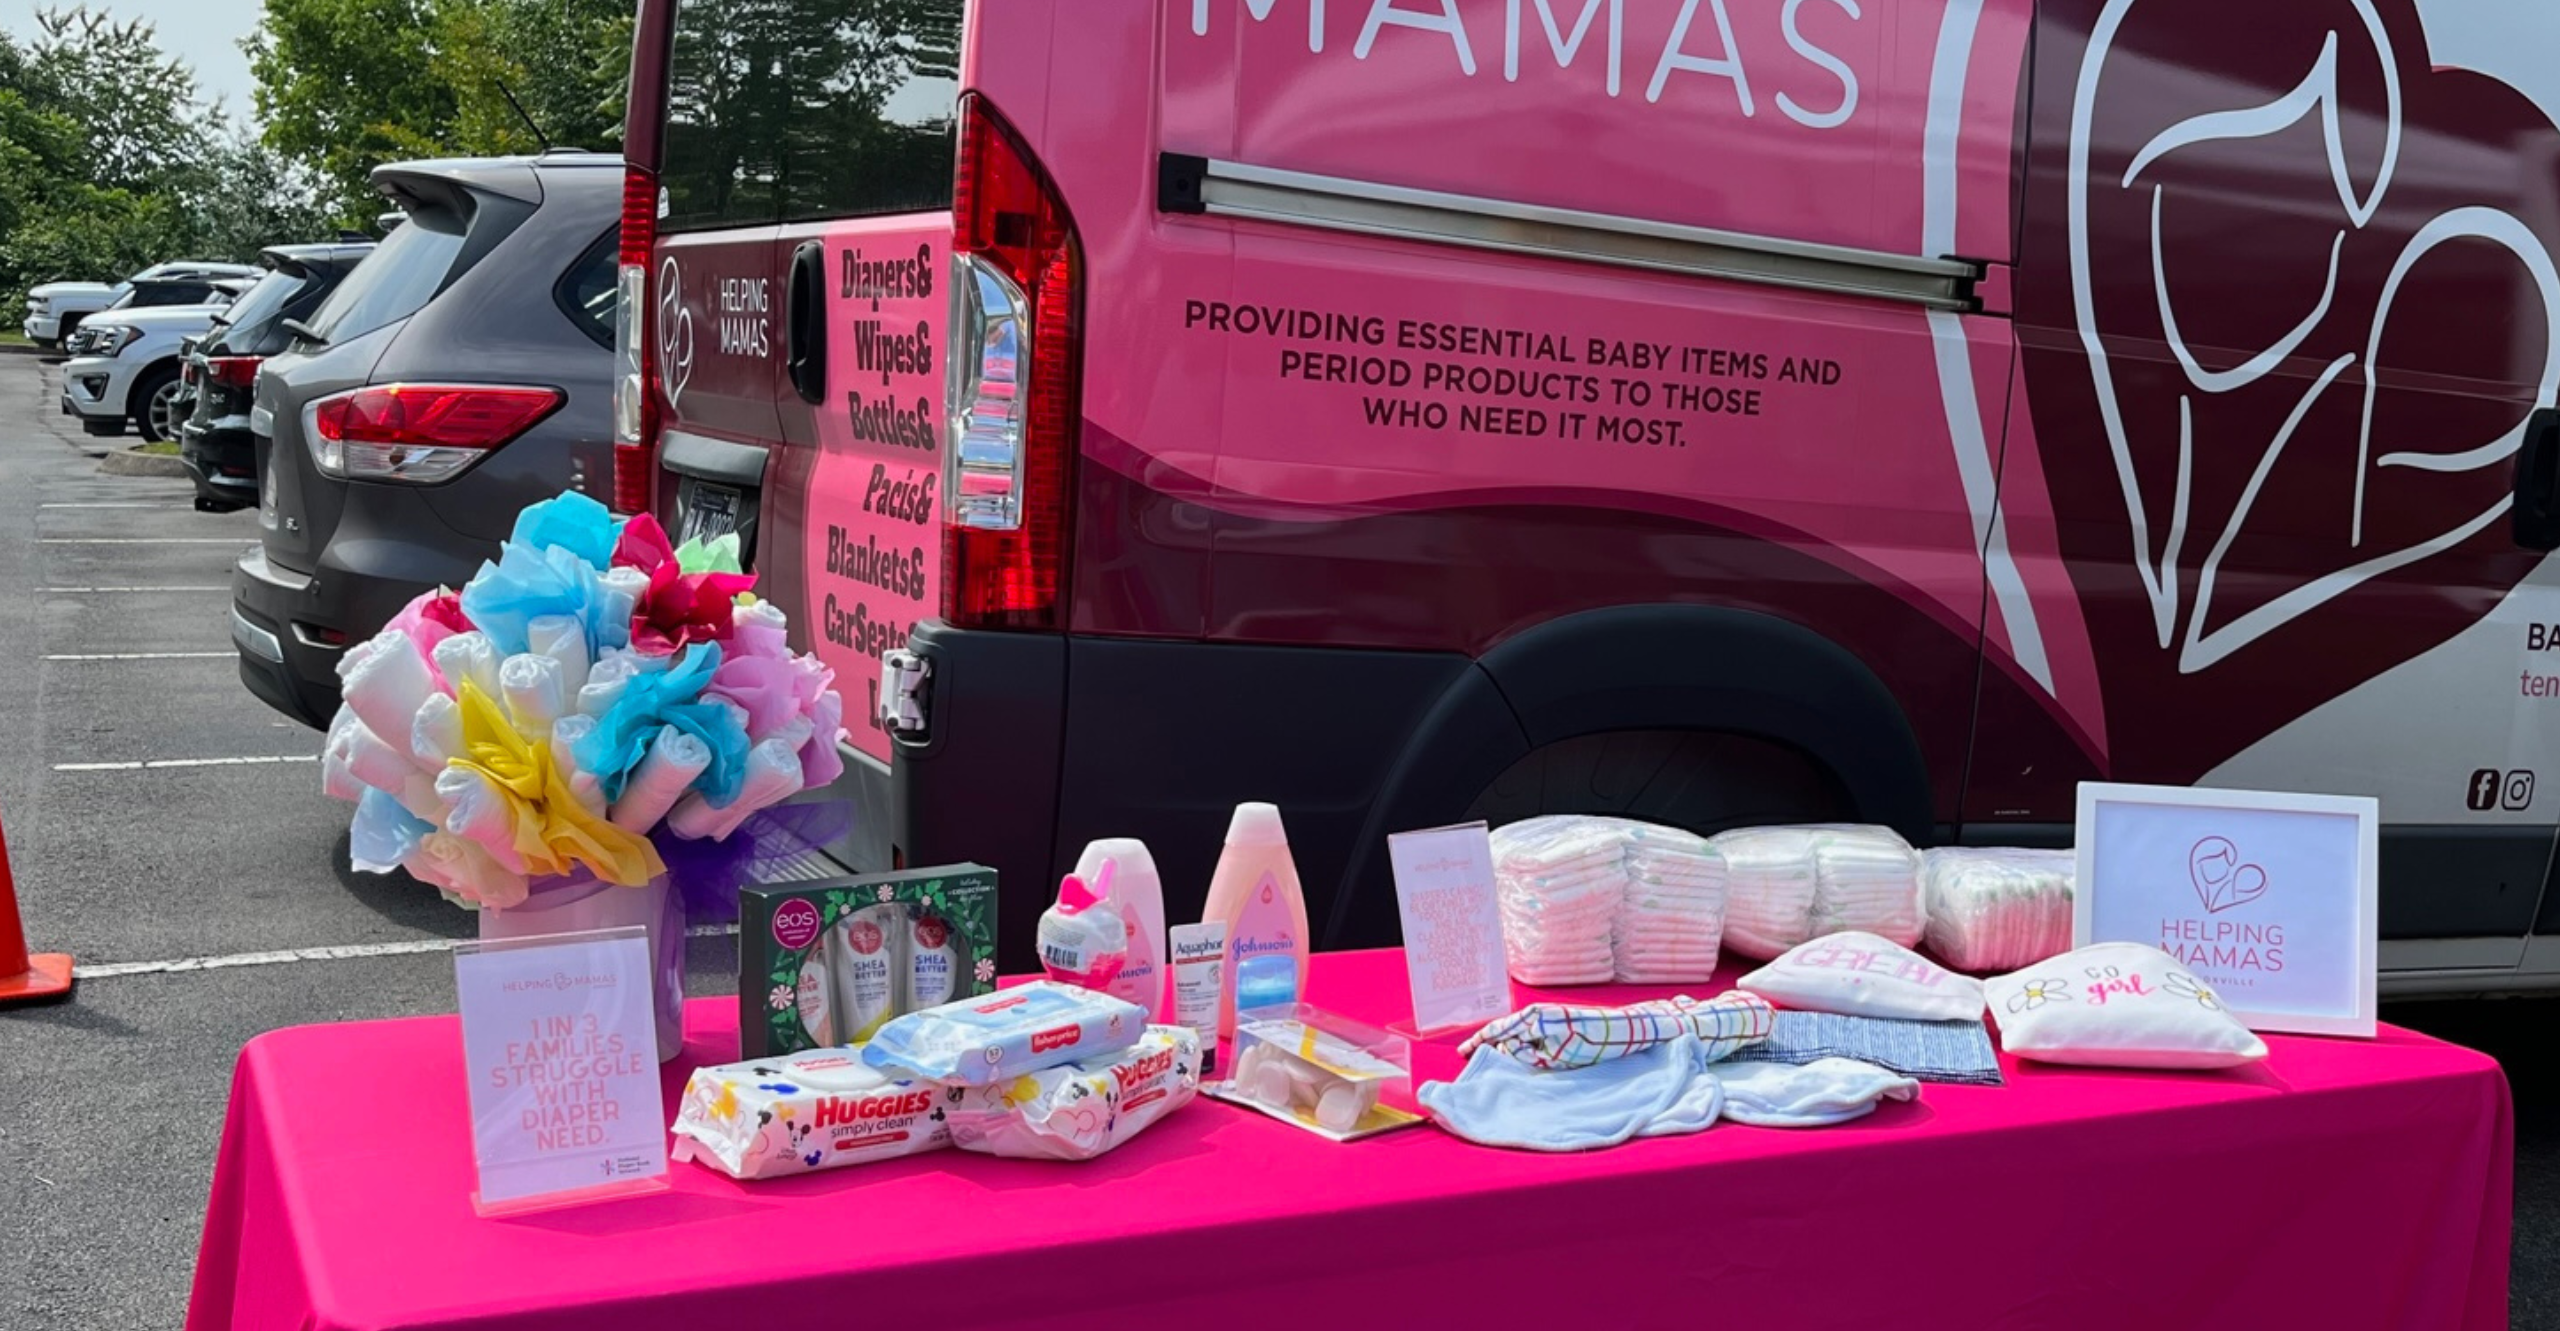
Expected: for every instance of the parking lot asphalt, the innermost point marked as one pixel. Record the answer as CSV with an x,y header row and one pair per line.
x,y
115,650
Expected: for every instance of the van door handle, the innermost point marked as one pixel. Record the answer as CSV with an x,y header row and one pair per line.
x,y
805,322
2537,509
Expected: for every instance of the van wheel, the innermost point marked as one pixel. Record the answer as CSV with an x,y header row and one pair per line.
x,y
155,403
1702,782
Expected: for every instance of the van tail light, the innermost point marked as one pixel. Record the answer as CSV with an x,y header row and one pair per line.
x,y
419,434
635,371
232,371
1016,295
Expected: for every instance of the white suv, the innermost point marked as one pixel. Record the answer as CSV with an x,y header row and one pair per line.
x,y
55,309
125,364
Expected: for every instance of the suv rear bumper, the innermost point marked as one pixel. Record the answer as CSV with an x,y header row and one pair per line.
x,y
282,622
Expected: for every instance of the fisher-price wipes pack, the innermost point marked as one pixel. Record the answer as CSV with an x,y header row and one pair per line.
x,y
830,961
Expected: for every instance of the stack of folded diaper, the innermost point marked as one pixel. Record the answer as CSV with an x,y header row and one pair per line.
x,y
1560,882
1671,924
1997,908
1588,900
1785,885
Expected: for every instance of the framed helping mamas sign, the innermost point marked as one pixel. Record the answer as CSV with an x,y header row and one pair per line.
x,y
2270,899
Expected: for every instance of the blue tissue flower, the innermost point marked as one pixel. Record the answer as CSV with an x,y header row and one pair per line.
x,y
526,582
383,833
669,698
571,522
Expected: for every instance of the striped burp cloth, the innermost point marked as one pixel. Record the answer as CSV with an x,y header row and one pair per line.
x,y
1556,1036
1957,1052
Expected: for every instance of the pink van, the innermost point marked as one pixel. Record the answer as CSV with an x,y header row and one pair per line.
x,y
1715,411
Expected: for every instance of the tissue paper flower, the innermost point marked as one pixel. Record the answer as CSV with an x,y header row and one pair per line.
x,y
768,690
680,608
504,598
718,556
643,545
623,734
554,831
571,522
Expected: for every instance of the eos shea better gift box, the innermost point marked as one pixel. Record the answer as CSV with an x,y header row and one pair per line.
x,y
825,962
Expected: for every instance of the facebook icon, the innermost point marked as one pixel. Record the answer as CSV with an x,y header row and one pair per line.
x,y
2484,790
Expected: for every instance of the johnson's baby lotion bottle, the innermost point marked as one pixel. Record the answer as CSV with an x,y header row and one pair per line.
x,y
1255,892
1140,895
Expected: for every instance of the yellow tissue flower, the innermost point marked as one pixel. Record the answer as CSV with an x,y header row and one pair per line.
x,y
554,832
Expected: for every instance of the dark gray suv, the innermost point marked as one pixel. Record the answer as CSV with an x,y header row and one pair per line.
x,y
460,373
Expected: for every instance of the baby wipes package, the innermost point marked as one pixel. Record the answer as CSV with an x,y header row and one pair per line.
x,y
998,1037
1076,1111
816,1109
831,960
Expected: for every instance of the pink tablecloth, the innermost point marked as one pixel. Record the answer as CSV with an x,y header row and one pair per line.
x,y
2339,1184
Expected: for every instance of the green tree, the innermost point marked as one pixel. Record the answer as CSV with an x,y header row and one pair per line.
x,y
134,103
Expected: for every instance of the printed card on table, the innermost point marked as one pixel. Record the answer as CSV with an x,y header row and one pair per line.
x,y
1452,927
559,1041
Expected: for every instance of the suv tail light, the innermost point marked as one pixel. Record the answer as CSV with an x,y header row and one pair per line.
x,y
231,371
1010,471
418,433
635,371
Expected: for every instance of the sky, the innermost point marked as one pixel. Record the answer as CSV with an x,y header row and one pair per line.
x,y
204,33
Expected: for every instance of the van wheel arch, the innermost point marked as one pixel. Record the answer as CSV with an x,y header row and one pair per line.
x,y
1630,696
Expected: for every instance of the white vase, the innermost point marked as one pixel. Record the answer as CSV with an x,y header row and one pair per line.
x,y
576,902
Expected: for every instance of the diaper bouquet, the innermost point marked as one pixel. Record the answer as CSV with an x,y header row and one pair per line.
x,y
596,709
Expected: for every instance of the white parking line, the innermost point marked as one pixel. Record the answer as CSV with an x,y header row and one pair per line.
x,y
141,656
156,764
91,591
343,952
114,503
144,540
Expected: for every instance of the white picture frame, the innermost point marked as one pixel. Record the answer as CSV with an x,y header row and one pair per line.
x,y
2273,899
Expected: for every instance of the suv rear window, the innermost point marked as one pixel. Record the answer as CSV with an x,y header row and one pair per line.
x,y
770,118
253,324
402,274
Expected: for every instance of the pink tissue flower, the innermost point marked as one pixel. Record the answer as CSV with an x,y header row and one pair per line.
x,y
430,619
680,608
643,545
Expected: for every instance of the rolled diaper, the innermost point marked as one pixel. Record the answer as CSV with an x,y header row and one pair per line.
x,y
436,737
469,656
821,761
378,762
460,866
760,629
563,638
565,734
994,1038
337,781
619,596
610,675
773,775
665,773
537,693
1077,1111
387,684
480,813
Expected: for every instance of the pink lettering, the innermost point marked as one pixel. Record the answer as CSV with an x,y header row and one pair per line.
x,y
2131,984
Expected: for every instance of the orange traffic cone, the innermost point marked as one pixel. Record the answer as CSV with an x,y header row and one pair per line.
x,y
25,979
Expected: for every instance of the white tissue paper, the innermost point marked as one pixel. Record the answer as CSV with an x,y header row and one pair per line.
x,y
661,777
1997,908
436,736
563,638
386,683
536,692
773,775
460,866
469,656
760,629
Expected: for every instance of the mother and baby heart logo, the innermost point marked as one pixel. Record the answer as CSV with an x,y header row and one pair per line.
x,y
2220,879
